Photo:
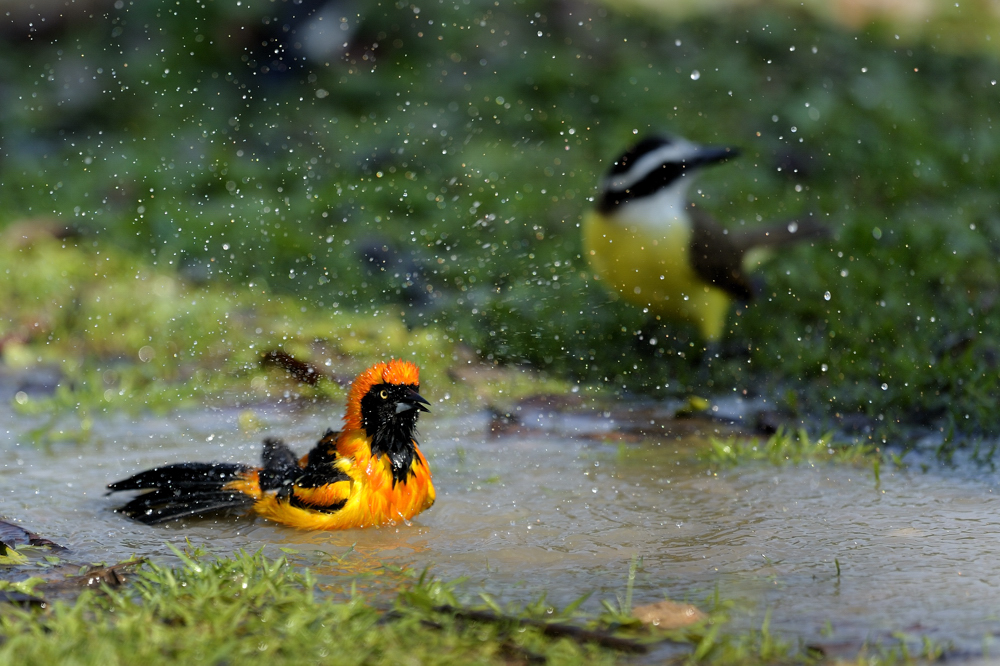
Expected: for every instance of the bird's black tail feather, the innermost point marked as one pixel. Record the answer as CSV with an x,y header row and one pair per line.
x,y
182,490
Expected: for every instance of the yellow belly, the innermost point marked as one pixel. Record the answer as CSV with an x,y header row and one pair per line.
x,y
651,269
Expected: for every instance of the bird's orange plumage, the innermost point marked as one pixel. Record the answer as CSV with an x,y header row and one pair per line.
x,y
371,473
370,496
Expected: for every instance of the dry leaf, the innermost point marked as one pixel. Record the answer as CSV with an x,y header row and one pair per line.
x,y
668,615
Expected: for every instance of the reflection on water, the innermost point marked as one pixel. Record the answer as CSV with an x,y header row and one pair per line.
x,y
557,509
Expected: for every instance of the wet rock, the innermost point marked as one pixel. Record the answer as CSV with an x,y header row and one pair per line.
x,y
12,535
559,402
614,437
65,582
664,420
504,422
668,615
20,598
40,381
112,576
857,423
769,421
60,576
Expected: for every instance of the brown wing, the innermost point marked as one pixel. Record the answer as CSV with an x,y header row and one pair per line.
x,y
716,258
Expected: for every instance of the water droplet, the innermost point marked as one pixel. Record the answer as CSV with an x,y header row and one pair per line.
x,y
826,296
695,75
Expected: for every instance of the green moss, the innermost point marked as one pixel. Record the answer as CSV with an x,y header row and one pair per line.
x,y
123,334
469,145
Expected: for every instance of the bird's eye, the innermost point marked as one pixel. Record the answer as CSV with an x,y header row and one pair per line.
x,y
383,394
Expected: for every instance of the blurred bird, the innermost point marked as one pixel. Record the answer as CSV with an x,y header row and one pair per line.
x,y
659,251
370,473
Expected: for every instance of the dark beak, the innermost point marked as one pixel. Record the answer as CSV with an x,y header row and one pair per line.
x,y
712,155
412,400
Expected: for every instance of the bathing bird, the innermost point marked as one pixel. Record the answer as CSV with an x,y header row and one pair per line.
x,y
660,252
369,473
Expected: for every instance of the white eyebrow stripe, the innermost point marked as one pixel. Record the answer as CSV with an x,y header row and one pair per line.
x,y
677,151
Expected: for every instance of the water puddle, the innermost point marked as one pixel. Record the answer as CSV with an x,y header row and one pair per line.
x,y
563,504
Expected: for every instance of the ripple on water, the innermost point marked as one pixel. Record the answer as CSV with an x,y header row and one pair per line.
x,y
547,511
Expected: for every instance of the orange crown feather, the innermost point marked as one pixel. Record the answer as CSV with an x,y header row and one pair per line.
x,y
395,371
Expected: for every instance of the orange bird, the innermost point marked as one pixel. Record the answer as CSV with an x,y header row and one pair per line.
x,y
370,473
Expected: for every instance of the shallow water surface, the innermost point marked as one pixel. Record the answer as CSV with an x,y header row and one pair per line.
x,y
558,508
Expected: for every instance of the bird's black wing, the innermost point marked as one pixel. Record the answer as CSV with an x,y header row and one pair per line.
x,y
281,467
320,469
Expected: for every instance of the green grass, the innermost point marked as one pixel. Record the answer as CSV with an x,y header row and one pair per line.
x,y
253,609
214,201
790,448
256,609
472,145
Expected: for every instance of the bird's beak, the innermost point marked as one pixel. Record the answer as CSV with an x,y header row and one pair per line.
x,y
711,155
413,400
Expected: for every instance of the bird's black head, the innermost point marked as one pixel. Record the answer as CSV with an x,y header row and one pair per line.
x,y
653,164
389,416
645,146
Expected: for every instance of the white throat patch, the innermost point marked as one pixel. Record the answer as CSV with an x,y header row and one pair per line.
x,y
659,212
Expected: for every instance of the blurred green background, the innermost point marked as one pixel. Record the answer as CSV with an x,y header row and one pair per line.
x,y
428,165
